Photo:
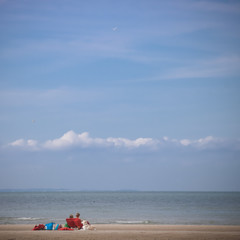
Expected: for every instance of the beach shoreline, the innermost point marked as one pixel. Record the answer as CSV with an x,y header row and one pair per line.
x,y
125,232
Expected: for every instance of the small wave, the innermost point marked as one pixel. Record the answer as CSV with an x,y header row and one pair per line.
x,y
27,218
17,220
132,222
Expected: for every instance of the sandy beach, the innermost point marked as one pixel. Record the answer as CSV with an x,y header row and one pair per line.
x,y
125,232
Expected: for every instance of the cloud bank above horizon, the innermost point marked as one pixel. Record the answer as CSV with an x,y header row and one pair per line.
x,y
71,140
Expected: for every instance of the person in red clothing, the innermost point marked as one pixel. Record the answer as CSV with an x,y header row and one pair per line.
x,y
78,221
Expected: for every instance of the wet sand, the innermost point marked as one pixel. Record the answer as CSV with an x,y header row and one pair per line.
x,y
125,232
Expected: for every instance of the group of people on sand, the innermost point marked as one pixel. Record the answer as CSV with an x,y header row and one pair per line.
x,y
75,220
72,223
77,215
78,223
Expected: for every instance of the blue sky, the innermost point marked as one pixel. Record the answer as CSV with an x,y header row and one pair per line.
x,y
117,95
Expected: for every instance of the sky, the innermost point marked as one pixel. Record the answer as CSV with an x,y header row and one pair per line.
x,y
120,95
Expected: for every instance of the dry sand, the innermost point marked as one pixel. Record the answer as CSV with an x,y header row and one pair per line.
x,y
124,232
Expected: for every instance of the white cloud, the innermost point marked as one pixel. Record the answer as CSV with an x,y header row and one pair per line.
x,y
123,142
201,143
208,142
83,140
71,139
211,142
185,142
25,144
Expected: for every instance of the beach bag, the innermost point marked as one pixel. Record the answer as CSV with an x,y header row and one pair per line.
x,y
49,226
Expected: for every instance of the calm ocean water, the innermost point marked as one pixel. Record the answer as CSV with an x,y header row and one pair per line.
x,y
121,207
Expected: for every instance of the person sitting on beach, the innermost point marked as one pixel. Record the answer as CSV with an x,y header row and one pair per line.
x,y
77,215
78,221
66,225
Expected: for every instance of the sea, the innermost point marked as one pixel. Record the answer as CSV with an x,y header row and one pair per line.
x,y
189,208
